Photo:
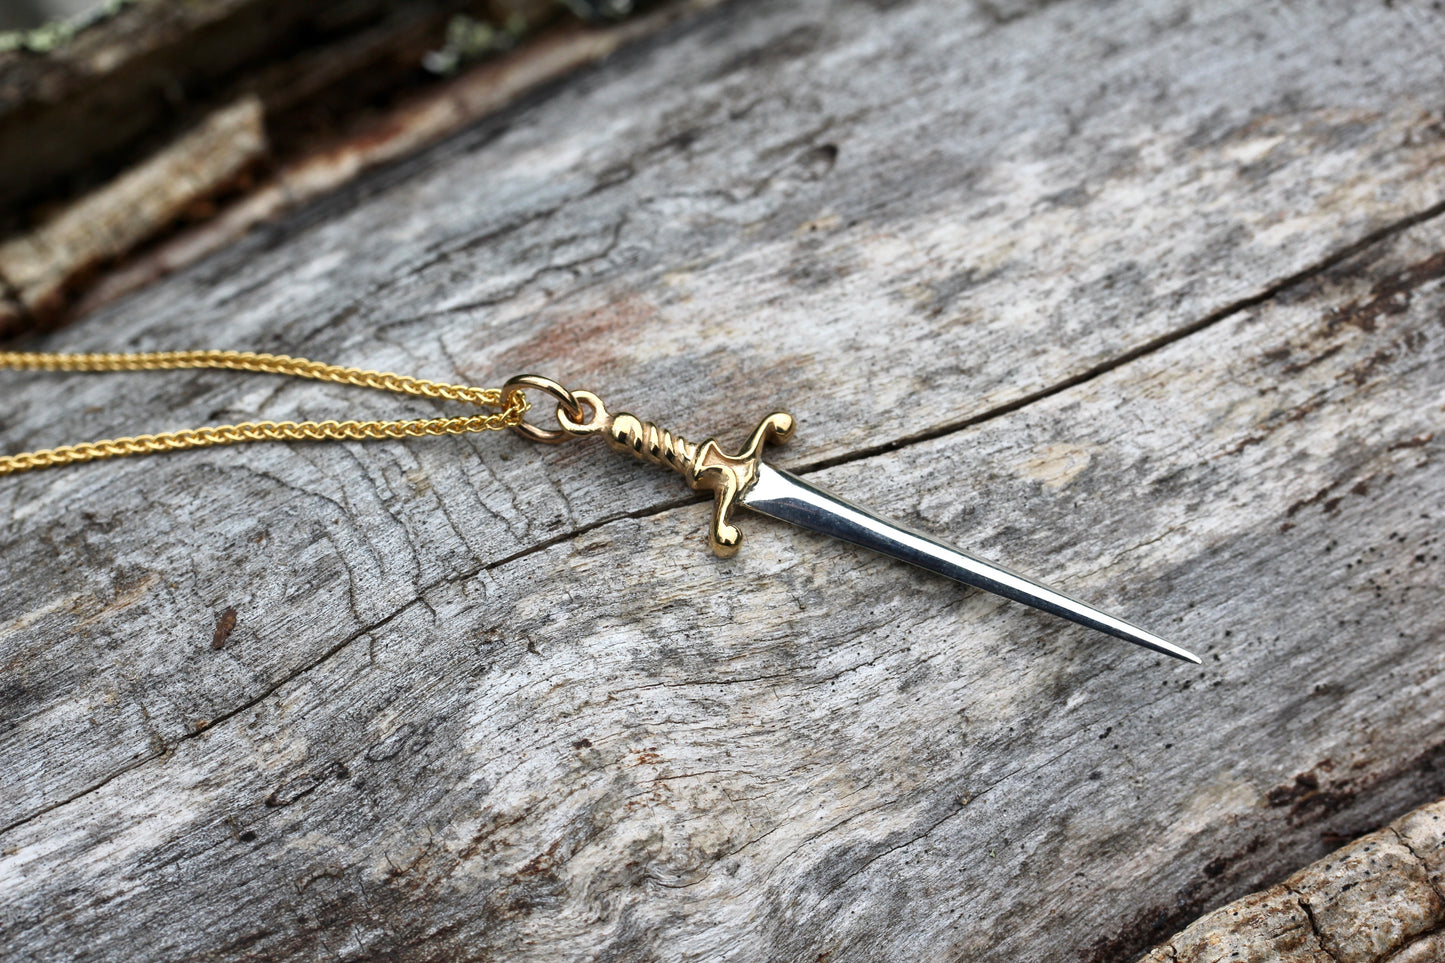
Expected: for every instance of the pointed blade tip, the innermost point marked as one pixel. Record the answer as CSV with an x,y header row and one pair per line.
x,y
1183,655
1151,641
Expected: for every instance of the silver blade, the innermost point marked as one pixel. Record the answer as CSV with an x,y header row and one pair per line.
x,y
790,499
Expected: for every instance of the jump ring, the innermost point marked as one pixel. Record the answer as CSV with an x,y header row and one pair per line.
x,y
566,404
599,420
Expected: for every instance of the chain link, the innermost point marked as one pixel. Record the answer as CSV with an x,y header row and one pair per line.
x,y
509,414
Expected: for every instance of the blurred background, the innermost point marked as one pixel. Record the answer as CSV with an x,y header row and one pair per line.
x,y
27,14
136,136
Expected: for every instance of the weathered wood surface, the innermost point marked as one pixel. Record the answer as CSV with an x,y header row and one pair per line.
x,y
1381,899
1144,300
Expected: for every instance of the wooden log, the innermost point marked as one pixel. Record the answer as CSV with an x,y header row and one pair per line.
x,y
416,121
1381,899
1145,301
107,139
92,101
40,265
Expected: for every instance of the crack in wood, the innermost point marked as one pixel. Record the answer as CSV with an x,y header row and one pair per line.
x,y
1420,860
1304,905
1268,293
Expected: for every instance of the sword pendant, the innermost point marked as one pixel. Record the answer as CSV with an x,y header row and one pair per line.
x,y
744,479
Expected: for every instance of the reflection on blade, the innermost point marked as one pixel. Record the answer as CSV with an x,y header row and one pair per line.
x,y
790,499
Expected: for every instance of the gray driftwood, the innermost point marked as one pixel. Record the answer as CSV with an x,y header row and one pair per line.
x,y
1145,299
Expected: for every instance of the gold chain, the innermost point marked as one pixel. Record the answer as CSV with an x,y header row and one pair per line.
x,y
509,413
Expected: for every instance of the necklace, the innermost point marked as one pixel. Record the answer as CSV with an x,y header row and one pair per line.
x,y
742,478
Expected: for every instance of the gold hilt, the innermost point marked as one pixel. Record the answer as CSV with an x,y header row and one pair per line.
x,y
704,466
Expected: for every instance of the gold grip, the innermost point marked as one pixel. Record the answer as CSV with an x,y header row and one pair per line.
x,y
647,441
704,466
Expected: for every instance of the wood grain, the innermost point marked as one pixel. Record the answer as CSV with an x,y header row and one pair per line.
x,y
1146,301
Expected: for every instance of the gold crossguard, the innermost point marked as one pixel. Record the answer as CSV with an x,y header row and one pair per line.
x,y
704,466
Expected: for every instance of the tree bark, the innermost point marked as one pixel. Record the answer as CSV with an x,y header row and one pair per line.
x,y
1142,300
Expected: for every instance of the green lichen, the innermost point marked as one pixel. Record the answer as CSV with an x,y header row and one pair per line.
x,y
469,40
50,37
599,9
